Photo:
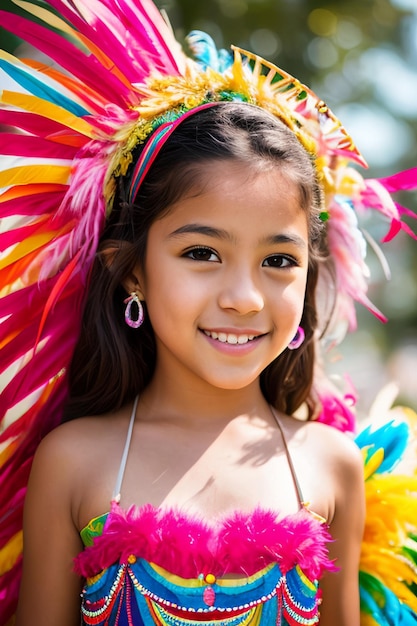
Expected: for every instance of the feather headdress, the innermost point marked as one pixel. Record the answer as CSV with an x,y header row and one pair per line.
x,y
115,75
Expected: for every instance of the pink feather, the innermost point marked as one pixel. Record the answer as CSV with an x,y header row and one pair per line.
x,y
21,145
33,124
86,68
144,41
188,546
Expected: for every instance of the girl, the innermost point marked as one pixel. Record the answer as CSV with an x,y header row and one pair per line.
x,y
222,249
185,228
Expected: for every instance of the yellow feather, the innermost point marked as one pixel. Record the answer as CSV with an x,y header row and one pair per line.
x,y
28,174
373,463
367,620
48,110
10,552
46,16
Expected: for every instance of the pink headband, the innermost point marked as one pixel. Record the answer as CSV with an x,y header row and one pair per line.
x,y
154,145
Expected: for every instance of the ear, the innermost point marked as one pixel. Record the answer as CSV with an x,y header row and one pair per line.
x,y
132,283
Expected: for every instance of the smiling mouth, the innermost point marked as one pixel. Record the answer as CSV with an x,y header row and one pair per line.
x,y
231,337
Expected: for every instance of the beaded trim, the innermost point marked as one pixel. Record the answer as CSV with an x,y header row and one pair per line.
x,y
289,594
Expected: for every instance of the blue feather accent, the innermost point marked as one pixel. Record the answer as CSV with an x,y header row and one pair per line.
x,y
205,53
382,604
392,438
36,87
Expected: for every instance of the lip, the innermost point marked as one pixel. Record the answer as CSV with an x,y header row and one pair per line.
x,y
233,348
234,331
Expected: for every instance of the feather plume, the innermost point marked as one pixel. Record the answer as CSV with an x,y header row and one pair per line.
x,y
188,546
388,567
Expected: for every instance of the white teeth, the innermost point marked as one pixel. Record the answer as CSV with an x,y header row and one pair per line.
x,y
230,337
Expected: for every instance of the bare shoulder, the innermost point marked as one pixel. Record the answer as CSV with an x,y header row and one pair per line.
x,y
331,444
329,464
62,453
70,458
71,439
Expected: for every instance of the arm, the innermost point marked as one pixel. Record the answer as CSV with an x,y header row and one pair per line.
x,y
50,591
341,589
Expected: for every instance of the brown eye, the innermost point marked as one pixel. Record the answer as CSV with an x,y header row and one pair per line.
x,y
202,254
279,260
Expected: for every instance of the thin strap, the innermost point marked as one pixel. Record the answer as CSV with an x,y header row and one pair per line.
x,y
121,473
290,463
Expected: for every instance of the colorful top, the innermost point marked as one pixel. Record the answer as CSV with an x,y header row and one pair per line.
x,y
149,565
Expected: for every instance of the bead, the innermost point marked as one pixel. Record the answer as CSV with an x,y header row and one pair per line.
x,y
322,107
131,559
210,579
209,596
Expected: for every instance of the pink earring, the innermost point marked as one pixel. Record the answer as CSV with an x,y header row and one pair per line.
x,y
298,339
133,323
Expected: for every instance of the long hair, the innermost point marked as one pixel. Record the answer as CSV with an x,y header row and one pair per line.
x,y
112,362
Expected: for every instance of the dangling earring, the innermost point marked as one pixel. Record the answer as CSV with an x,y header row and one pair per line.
x,y
298,339
133,298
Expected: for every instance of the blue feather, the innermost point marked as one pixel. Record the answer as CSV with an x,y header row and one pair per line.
x,y
36,87
392,438
382,604
205,53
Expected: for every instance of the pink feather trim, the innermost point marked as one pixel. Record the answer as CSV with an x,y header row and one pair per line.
x,y
188,546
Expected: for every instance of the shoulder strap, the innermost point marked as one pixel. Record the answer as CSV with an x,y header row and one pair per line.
x,y
290,463
121,472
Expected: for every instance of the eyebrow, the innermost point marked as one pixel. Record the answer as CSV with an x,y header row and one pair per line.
x,y
201,229
282,238
220,233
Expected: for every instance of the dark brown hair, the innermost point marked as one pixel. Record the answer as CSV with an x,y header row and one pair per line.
x,y
112,362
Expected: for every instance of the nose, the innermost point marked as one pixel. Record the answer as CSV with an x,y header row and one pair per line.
x,y
241,292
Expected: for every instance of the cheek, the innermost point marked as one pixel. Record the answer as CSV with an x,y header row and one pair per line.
x,y
169,299
289,306
293,294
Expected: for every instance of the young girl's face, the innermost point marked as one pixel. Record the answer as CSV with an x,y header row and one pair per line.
x,y
225,275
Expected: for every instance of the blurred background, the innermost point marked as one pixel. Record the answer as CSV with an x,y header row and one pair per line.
x,y
360,56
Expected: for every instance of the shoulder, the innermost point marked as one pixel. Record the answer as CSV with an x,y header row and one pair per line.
x,y
338,451
327,440
75,465
67,441
71,449
83,432
331,461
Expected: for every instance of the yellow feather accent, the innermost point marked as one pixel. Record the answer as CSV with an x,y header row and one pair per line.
x,y
25,247
367,620
49,111
262,84
56,22
373,463
8,447
391,521
46,16
11,552
391,505
23,191
28,174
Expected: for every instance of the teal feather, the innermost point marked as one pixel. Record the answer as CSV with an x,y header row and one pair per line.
x,y
393,438
205,53
382,604
36,87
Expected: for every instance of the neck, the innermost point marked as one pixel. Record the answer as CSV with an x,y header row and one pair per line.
x,y
166,397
